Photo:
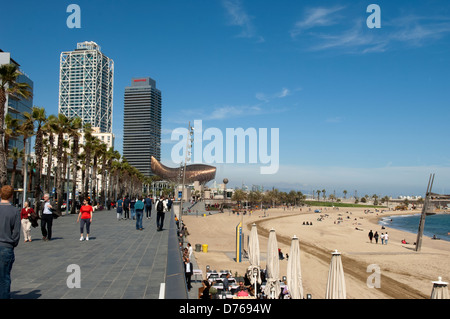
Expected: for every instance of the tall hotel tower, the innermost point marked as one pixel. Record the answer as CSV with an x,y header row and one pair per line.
x,y
86,86
142,124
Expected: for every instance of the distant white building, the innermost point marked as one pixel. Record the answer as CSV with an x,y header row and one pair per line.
x,y
86,84
106,138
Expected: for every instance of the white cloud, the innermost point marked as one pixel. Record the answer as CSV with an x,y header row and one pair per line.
x,y
354,37
239,17
336,119
316,17
268,97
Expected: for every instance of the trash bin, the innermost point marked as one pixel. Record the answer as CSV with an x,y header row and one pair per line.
x,y
205,248
198,247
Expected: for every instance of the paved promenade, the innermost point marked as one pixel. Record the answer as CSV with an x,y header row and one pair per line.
x,y
118,262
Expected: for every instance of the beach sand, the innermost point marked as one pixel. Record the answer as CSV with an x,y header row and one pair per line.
x,y
405,273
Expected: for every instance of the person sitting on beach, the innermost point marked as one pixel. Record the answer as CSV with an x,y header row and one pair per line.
x,y
280,254
242,290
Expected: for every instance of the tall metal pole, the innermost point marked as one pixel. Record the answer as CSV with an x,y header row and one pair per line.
x,y
424,212
67,186
184,170
25,175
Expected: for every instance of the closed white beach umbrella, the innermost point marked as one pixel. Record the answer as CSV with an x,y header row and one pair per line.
x,y
440,290
272,289
336,281
253,271
294,272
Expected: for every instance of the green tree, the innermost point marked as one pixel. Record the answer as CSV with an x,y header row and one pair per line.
x,y
9,86
15,155
39,116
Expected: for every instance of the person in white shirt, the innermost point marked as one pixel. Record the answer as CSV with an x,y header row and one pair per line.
x,y
188,270
47,219
386,237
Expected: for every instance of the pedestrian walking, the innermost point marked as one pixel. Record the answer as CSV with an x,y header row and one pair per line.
x,y
370,236
148,207
119,208
85,218
382,238
47,219
132,209
25,215
161,209
386,237
376,237
9,239
126,208
190,250
139,207
188,271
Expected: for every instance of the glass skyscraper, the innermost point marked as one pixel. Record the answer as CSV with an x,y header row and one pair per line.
x,y
17,106
142,124
86,83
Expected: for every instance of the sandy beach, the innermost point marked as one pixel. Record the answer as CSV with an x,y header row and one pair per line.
x,y
405,273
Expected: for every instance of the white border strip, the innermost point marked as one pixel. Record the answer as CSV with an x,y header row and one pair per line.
x,y
162,290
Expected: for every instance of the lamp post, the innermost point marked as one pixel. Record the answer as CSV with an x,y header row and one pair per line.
x,y
189,138
25,171
225,182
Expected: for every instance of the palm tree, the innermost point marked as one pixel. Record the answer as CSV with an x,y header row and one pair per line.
x,y
113,156
15,155
63,123
73,131
11,125
39,116
345,193
49,127
87,130
9,87
26,129
96,149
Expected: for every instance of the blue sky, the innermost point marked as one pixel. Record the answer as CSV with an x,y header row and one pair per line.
x,y
357,108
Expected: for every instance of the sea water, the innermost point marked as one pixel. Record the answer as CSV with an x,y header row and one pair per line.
x,y
438,224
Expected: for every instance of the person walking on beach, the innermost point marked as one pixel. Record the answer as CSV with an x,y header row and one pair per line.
x,y
386,237
25,214
148,206
382,238
47,219
161,209
370,236
139,207
86,212
119,208
376,237
9,238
